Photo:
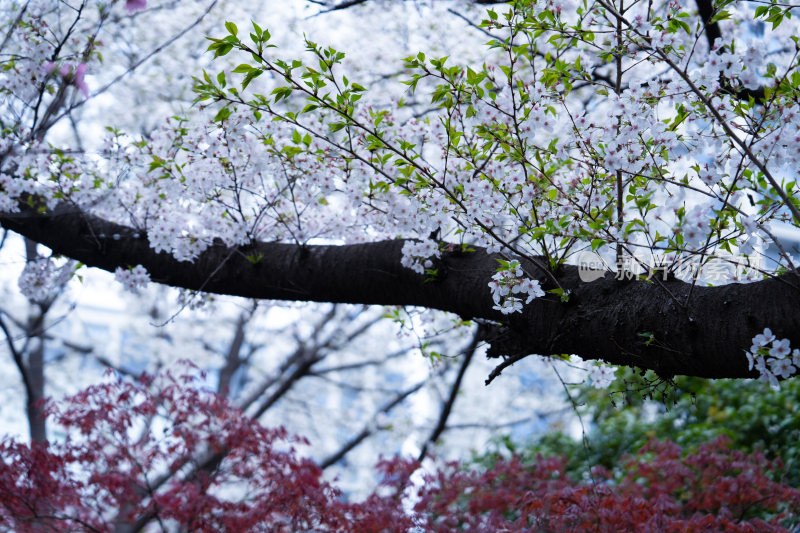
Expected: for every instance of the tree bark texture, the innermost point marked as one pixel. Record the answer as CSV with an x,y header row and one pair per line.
x,y
668,327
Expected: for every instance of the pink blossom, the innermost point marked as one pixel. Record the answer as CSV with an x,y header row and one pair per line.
x,y
78,79
782,368
780,348
74,76
135,5
762,339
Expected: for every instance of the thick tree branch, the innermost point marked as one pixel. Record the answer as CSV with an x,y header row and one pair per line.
x,y
705,8
605,319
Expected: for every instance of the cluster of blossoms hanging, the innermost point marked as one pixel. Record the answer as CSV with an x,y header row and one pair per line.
x,y
509,285
417,255
773,358
43,278
601,376
132,279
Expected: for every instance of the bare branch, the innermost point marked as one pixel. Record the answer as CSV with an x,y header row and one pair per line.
x,y
371,428
447,407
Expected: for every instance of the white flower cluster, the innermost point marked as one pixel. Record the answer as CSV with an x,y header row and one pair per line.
x,y
751,236
508,285
696,226
775,361
601,375
132,278
168,234
11,190
42,279
417,254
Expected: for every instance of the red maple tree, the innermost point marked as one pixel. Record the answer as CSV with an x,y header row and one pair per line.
x,y
164,453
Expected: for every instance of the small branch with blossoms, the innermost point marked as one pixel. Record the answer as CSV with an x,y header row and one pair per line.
x,y
772,358
509,286
132,278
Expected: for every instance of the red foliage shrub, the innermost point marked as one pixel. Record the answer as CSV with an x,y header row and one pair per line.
x,y
658,489
166,452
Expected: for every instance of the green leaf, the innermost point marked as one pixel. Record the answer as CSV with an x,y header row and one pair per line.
x,y
721,15
223,50
222,114
231,27
771,70
561,293
250,76
255,258
281,92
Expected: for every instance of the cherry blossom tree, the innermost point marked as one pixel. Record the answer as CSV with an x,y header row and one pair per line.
x,y
329,350
292,181
656,137
306,186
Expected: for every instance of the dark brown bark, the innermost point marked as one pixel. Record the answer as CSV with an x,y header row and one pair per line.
x,y
35,399
34,368
30,363
233,359
605,319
